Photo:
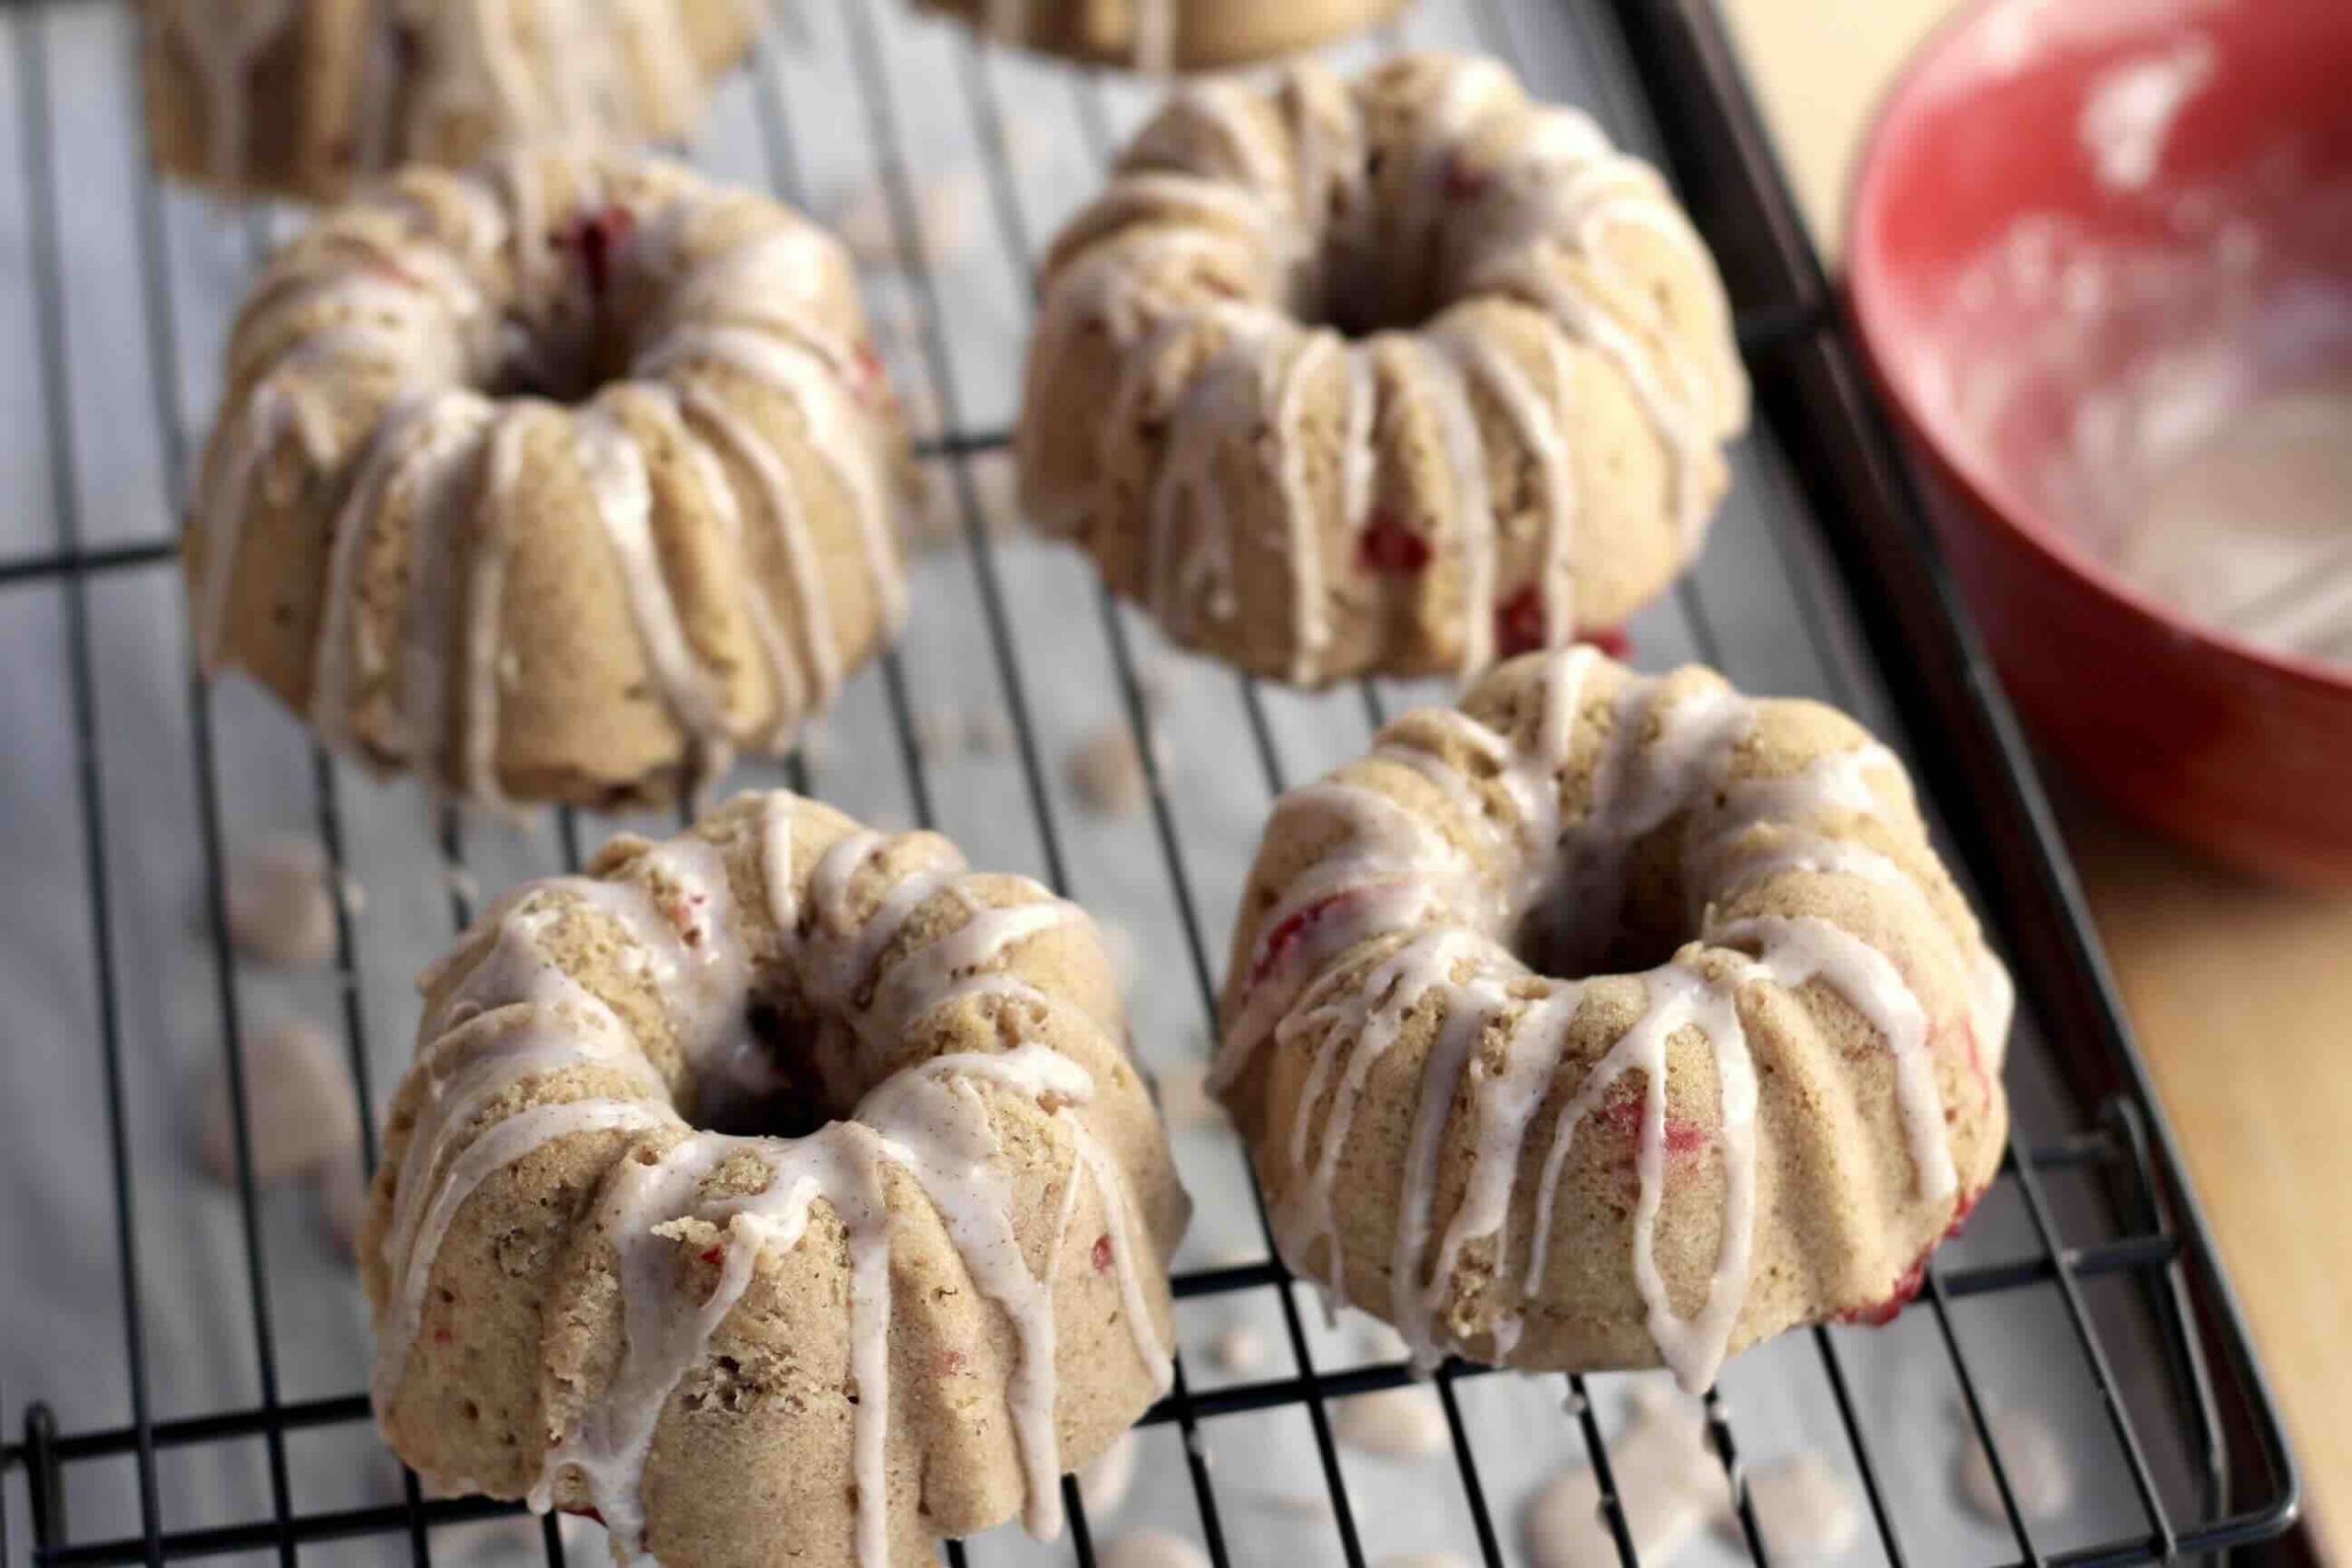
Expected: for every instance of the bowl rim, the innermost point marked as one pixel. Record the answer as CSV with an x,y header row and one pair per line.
x,y
1868,292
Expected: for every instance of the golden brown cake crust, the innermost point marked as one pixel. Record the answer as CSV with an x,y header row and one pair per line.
x,y
1783,1096
310,97
1158,36
559,478
906,1322
1400,374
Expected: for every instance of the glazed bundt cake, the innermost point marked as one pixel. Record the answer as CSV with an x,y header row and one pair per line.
x,y
557,479
1612,1020
1394,375
920,1276
1159,36
304,97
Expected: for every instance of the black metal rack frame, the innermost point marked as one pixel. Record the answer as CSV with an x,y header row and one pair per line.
x,y
1870,517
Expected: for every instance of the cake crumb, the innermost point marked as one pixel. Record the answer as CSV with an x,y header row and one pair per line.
x,y
1103,1481
280,904
1666,1480
300,1110
1239,1349
945,206
939,524
2032,1458
342,1191
1119,952
939,734
1804,1509
1106,773
1185,1097
1301,1504
1394,1423
989,733
1025,140
1159,683
1153,1549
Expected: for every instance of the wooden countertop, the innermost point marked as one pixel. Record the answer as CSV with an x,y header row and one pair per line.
x,y
2240,995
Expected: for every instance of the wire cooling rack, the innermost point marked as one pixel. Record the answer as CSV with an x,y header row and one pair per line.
x,y
182,1357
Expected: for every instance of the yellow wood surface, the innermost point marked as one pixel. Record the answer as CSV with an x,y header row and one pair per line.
x,y
2241,996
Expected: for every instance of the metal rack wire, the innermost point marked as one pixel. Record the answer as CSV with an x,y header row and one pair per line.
x,y
2206,1463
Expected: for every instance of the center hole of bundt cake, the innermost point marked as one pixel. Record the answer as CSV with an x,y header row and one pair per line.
x,y
572,341
563,362
1590,918
782,1095
1359,298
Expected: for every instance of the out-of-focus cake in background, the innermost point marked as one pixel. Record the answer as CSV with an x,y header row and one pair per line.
x,y
1160,36
304,100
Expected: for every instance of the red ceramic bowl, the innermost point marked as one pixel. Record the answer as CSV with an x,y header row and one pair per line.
x,y
2084,234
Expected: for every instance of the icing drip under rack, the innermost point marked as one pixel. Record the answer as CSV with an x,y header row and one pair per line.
x,y
181,1364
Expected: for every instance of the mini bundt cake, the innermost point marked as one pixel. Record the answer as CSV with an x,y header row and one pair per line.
x,y
557,478
920,1274
305,98
1394,375
1770,1112
1156,36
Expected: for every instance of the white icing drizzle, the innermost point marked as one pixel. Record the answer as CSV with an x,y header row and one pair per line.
x,y
1154,25
1502,1034
274,407
225,49
438,472
1232,386
671,80
486,595
390,449
615,468
1679,996
1311,625
1543,431
1364,1025
421,310
1797,950
1231,110
1474,510
820,650
840,437
1157,196
1553,195
931,1125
